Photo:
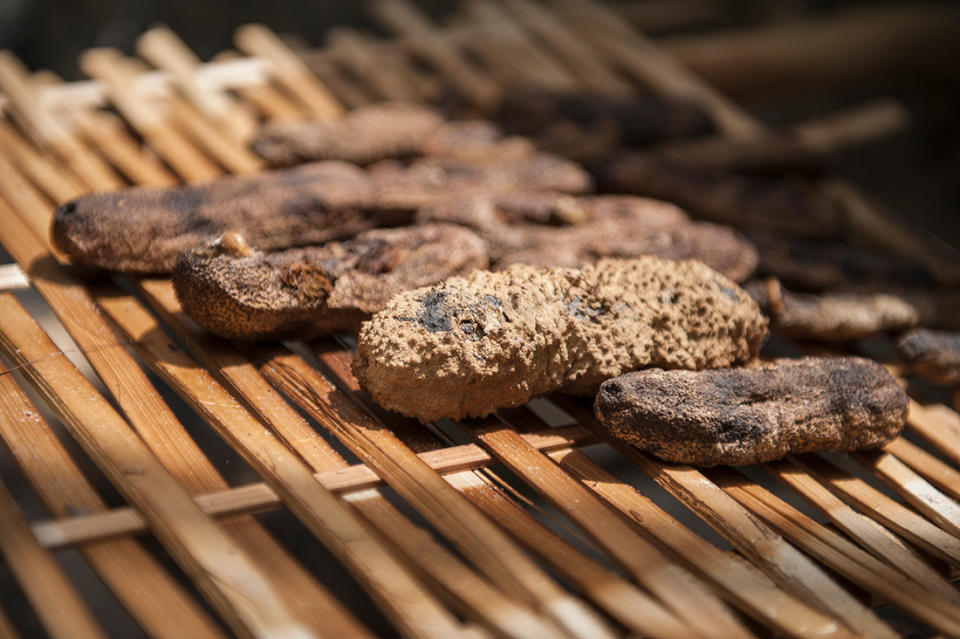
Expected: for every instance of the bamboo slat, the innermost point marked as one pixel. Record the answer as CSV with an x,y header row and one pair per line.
x,y
61,610
152,597
432,559
477,538
12,277
353,51
582,61
262,95
240,375
676,588
793,597
221,570
409,21
14,82
108,66
619,598
164,49
936,471
763,546
258,496
872,536
841,555
166,437
938,425
151,417
741,583
500,43
902,520
290,70
917,492
412,608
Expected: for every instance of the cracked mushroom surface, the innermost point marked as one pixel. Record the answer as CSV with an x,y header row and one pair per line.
x,y
468,346
241,293
739,416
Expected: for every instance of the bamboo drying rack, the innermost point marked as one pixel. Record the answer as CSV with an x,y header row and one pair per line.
x,y
499,571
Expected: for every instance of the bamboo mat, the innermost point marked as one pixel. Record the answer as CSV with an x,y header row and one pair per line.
x,y
504,527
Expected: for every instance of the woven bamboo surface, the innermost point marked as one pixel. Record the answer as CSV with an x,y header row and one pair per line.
x,y
437,524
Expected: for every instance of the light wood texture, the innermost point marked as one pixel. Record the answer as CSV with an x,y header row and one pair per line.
x,y
12,278
14,82
409,21
151,417
865,531
475,595
676,588
108,66
154,599
291,72
165,50
915,490
742,584
61,610
478,538
584,63
895,516
219,568
936,471
411,607
255,497
621,599
841,555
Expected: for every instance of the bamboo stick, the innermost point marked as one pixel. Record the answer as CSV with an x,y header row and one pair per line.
x,y
500,42
412,608
141,584
937,424
939,508
675,587
47,173
478,538
865,531
474,594
101,130
741,583
820,53
354,51
841,555
236,74
290,71
14,82
227,151
350,90
262,95
582,61
453,578
108,66
905,522
937,472
651,67
61,610
409,21
104,130
258,496
764,547
809,141
153,419
12,278
619,598
165,50
222,571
